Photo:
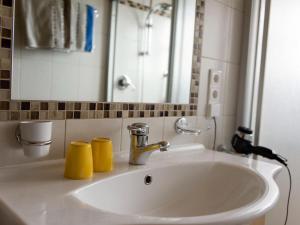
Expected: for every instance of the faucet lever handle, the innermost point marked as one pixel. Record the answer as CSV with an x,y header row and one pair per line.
x,y
139,129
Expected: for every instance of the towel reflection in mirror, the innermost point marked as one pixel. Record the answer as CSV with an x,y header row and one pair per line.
x,y
65,25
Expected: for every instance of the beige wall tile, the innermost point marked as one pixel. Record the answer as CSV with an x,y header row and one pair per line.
x,y
87,129
155,133
12,153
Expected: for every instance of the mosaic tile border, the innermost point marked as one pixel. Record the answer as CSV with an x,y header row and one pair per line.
x,y
142,7
54,110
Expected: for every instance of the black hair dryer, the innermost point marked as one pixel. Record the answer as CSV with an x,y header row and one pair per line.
x,y
244,146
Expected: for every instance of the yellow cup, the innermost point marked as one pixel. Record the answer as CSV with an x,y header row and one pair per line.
x,y
102,154
79,161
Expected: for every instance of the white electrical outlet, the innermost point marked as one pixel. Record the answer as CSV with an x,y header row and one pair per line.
x,y
215,78
214,95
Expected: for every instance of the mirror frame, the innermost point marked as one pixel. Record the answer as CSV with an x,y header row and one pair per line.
x,y
61,110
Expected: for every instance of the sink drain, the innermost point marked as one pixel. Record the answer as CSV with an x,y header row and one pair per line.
x,y
148,179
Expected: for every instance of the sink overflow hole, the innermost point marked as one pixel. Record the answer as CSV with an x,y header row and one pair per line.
x,y
148,179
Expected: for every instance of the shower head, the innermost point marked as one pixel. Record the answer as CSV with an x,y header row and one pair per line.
x,y
163,7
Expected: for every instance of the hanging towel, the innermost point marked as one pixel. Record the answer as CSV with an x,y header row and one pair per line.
x,y
70,22
43,22
64,25
81,26
90,14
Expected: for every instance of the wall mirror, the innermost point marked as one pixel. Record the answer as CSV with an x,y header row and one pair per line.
x,y
103,50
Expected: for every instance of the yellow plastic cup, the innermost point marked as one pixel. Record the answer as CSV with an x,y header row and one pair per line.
x,y
102,154
79,161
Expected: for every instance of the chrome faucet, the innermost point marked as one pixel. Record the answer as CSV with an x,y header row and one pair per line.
x,y
140,150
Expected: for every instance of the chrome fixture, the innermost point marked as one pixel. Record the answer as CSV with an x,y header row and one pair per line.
x,y
25,142
148,179
181,127
140,150
161,8
125,82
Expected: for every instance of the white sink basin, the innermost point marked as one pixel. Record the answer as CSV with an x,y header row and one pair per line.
x,y
213,192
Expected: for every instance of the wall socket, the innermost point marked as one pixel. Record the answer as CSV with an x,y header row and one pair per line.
x,y
214,93
215,78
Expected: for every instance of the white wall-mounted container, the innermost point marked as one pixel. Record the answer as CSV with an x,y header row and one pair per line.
x,y
35,137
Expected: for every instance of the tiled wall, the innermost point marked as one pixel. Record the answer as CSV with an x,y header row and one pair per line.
x,y
37,110
221,50
64,131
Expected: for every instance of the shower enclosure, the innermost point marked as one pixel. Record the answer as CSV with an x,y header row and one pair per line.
x,y
147,43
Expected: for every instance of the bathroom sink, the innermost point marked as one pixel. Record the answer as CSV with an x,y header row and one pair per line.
x,y
206,191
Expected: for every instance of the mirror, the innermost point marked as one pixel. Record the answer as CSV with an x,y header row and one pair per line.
x,y
101,50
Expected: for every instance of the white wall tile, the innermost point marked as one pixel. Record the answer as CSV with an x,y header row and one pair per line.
x,y
88,129
11,152
129,19
155,133
225,2
229,128
35,79
207,136
90,83
216,28
223,27
66,58
170,134
65,82
231,89
235,36
238,4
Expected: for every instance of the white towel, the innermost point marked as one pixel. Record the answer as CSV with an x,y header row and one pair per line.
x,y
81,26
54,24
44,23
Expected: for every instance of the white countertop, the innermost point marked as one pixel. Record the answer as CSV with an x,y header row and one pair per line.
x,y
38,194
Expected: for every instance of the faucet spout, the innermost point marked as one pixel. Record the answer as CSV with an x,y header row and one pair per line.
x,y
140,150
162,146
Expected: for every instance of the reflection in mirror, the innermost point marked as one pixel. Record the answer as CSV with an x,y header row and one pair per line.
x,y
151,51
55,58
66,51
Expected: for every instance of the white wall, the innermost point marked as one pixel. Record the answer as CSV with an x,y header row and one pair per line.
x,y
50,75
221,50
280,119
